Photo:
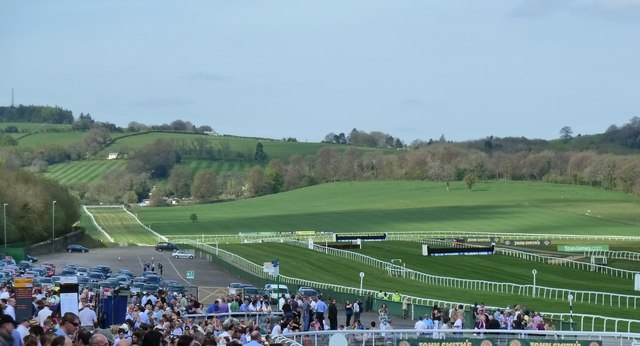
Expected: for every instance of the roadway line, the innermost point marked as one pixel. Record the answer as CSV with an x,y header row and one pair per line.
x,y
177,272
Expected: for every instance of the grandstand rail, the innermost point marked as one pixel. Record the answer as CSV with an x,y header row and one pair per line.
x,y
607,322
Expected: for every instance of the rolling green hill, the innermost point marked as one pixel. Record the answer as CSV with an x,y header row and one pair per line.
x,y
379,206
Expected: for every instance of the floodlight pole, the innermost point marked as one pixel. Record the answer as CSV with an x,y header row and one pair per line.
x,y
53,226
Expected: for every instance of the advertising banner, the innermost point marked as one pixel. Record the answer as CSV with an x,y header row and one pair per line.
x,y
491,342
532,242
582,248
24,296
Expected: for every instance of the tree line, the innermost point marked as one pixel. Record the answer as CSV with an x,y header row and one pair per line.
x,y
29,206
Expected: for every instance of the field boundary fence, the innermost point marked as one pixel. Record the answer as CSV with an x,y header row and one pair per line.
x,y
258,270
562,294
252,237
555,260
623,255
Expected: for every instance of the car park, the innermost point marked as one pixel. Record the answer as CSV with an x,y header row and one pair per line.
x,y
166,246
82,271
76,248
68,272
182,254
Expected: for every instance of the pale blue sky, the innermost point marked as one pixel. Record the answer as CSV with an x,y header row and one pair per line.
x,y
412,69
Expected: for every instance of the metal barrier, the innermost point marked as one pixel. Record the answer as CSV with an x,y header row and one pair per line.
x,y
596,321
562,294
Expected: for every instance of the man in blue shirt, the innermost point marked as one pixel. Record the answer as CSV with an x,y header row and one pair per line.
x,y
321,308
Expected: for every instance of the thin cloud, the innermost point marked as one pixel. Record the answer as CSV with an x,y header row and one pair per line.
x,y
208,77
609,9
161,102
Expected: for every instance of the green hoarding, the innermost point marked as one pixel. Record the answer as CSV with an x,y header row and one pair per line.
x,y
582,248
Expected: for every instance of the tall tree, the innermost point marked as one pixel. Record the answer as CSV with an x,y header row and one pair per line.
x,y
204,186
260,156
180,181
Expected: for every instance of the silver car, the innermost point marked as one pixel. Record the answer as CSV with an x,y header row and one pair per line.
x,y
182,254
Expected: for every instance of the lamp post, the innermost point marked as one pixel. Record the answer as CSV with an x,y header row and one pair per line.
x,y
361,278
53,226
4,218
570,297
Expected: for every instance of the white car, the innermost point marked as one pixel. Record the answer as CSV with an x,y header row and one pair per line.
x,y
182,254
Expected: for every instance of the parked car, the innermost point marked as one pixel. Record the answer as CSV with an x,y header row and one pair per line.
x,y
106,270
32,259
235,287
308,291
96,277
250,291
166,246
182,254
271,290
76,248
23,266
136,288
82,271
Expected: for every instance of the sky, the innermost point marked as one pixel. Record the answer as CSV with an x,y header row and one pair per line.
x,y
414,69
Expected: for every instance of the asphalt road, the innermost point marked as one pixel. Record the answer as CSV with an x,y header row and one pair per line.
x,y
210,279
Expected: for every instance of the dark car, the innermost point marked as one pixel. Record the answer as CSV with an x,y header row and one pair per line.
x,y
76,248
106,270
166,246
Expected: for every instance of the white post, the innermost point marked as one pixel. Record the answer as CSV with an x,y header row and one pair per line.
x,y
361,278
570,297
53,226
534,272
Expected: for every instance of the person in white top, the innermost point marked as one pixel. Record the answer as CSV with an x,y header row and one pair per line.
x,y
88,318
420,326
44,313
10,308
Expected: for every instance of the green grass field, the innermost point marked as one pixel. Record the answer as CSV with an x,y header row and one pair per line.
x,y
83,171
404,206
122,227
51,138
311,265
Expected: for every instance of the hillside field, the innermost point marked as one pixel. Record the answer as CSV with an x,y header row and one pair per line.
x,y
404,206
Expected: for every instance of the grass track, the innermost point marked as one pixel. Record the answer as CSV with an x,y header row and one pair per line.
x,y
311,265
122,226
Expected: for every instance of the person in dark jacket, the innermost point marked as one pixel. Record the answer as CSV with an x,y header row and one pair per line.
x,y
333,315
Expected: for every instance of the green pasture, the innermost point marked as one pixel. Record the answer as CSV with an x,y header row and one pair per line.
x,y
75,172
497,268
36,127
122,227
51,138
275,149
218,166
311,265
405,206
